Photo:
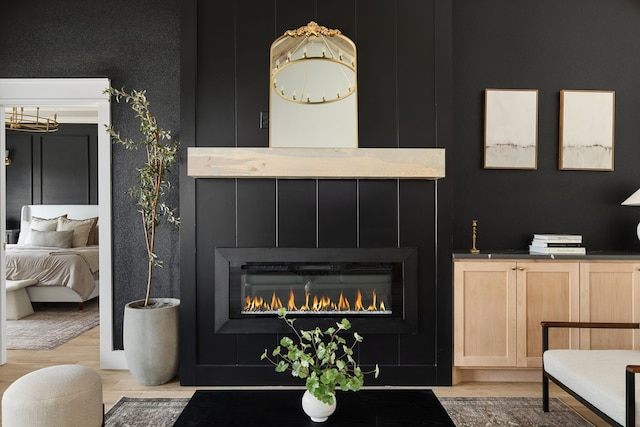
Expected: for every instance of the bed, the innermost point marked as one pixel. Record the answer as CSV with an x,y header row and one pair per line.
x,y
58,247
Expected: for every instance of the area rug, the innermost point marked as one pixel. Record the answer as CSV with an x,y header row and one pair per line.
x,y
145,412
51,325
464,411
510,411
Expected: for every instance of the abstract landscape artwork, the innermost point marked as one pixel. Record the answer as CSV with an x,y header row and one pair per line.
x,y
586,130
511,129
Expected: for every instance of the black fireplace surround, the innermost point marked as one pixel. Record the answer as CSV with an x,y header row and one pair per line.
x,y
380,285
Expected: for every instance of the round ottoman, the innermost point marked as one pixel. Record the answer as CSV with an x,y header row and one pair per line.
x,y
64,396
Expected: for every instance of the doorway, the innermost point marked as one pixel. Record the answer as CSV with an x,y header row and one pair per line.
x,y
80,93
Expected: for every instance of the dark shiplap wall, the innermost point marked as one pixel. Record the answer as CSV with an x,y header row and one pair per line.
x,y
398,61
544,44
52,168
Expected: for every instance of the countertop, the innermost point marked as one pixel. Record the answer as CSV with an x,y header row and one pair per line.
x,y
524,254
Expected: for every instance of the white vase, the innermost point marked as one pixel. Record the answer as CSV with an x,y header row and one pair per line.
x,y
318,411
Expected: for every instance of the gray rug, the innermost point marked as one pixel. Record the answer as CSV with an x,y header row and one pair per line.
x,y
145,412
510,411
464,411
52,325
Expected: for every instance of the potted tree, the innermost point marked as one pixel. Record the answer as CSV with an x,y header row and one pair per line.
x,y
324,360
150,330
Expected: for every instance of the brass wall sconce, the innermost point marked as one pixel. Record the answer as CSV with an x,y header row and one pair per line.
x,y
7,159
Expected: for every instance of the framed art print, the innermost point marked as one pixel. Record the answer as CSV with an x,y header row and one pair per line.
x,y
511,129
586,130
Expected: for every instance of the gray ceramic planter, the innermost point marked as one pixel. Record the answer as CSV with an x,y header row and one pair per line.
x,y
151,340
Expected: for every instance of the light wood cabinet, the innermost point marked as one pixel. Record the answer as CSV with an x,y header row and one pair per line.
x,y
484,326
498,307
499,304
546,291
609,292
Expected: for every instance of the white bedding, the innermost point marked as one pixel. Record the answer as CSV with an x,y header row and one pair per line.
x,y
75,268
63,274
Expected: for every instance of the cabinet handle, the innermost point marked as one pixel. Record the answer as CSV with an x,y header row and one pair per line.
x,y
521,268
513,268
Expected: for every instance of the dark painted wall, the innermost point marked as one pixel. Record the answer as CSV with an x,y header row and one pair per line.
x,y
51,168
550,46
545,45
404,69
136,45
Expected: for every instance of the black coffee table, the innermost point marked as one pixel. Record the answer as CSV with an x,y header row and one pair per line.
x,y
282,408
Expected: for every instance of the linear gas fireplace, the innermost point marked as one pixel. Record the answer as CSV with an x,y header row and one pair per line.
x,y
376,288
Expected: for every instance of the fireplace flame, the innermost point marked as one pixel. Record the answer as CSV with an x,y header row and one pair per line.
x,y
275,302
358,304
343,303
291,304
373,307
315,303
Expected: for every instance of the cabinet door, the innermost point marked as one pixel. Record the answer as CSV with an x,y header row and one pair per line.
x,y
609,293
549,291
485,314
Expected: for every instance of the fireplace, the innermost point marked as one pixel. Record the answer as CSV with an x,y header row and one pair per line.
x,y
376,288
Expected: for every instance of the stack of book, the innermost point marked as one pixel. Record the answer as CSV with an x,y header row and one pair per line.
x,y
557,244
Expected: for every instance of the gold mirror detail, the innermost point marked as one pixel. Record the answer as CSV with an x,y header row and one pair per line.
x,y
313,65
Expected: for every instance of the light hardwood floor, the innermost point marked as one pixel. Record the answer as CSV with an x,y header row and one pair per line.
x,y
84,350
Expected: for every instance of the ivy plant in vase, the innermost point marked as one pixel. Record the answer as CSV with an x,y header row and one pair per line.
x,y
324,360
150,329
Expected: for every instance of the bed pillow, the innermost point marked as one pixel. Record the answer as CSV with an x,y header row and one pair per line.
x,y
80,228
93,233
37,223
57,239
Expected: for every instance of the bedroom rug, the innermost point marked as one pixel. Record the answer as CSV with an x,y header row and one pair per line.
x,y
52,325
464,411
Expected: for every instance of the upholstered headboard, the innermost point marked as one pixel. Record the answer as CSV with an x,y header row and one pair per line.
x,y
51,211
73,212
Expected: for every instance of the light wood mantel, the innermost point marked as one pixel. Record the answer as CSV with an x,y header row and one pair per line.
x,y
336,163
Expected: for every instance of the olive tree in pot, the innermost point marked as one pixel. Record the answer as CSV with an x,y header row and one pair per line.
x,y
150,331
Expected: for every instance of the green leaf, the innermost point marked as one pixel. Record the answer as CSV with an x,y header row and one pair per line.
x,y
282,366
344,324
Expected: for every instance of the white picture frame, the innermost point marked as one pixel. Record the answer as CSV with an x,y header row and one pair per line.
x,y
511,129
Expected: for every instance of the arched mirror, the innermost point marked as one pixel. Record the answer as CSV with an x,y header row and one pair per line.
x,y
313,89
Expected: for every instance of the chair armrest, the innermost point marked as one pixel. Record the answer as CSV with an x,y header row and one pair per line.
x,y
590,325
610,325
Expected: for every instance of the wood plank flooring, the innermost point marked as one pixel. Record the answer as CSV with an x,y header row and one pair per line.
x,y
84,350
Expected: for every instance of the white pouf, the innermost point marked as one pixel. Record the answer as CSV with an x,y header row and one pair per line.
x,y
57,396
18,302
